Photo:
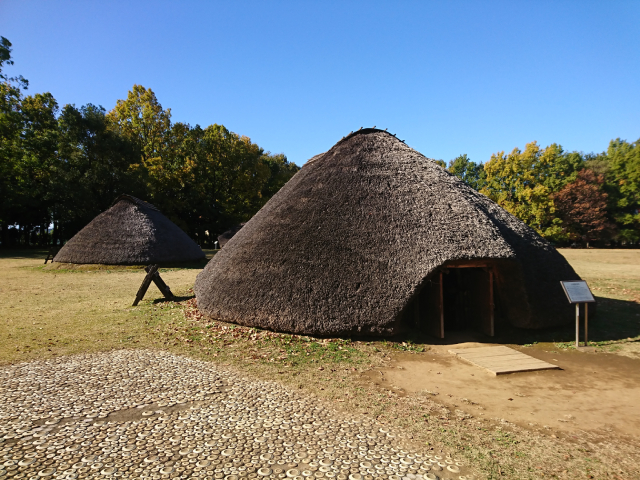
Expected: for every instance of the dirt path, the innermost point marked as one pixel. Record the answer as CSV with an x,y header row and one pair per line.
x,y
593,391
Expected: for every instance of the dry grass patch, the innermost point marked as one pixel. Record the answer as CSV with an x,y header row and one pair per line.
x,y
47,311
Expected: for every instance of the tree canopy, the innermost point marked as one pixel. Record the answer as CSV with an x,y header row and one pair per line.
x,y
61,167
565,196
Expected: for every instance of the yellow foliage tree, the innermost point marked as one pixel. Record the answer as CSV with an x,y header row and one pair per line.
x,y
522,182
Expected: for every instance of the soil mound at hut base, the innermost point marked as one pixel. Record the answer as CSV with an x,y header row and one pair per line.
x,y
131,232
348,244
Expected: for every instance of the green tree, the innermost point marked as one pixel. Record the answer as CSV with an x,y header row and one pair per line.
x,y
96,160
6,59
471,173
623,178
11,126
281,171
37,163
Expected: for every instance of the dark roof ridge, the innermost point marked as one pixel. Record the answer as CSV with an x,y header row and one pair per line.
x,y
134,200
366,131
361,131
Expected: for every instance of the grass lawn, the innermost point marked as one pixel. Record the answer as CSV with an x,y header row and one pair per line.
x,y
47,312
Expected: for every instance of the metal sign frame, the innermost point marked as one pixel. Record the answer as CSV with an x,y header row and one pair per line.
x,y
577,292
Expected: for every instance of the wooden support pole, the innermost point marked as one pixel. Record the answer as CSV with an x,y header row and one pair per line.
x,y
163,287
52,253
441,307
153,269
491,305
577,325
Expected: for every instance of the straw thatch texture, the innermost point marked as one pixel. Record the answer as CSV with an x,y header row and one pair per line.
x,y
223,238
131,232
351,239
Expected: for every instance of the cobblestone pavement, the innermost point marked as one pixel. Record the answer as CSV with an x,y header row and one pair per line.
x,y
144,414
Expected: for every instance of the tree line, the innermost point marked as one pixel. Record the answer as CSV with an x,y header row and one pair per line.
x,y
567,197
62,166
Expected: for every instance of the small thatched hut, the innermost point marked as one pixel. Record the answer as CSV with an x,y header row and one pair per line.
x,y
223,238
372,237
131,232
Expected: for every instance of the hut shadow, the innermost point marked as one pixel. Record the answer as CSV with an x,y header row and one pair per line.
x,y
173,299
21,253
615,321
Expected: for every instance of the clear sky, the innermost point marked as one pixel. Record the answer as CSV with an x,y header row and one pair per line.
x,y
448,77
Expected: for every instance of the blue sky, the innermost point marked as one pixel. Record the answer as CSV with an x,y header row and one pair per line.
x,y
448,77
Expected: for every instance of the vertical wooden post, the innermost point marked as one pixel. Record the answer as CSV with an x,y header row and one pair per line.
x,y
441,307
586,324
577,325
491,305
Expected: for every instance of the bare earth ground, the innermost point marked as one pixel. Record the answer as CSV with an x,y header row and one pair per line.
x,y
578,422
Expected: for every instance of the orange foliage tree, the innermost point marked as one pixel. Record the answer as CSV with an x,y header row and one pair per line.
x,y
582,207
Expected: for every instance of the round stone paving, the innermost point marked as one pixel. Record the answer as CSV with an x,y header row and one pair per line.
x,y
152,415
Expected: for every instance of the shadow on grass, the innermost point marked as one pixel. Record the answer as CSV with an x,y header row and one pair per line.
x,y
30,253
173,299
41,254
93,267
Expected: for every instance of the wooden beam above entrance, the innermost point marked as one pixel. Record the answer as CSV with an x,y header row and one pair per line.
x,y
467,264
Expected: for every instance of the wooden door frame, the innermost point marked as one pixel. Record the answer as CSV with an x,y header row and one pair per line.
x,y
469,264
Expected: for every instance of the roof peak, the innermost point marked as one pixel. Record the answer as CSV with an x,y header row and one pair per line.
x,y
360,131
367,130
134,200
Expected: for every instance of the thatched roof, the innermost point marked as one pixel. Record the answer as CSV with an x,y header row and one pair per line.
x,y
131,232
223,238
351,239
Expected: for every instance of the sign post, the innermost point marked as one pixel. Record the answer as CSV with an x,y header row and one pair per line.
x,y
578,292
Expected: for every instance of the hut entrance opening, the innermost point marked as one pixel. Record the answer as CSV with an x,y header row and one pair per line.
x,y
457,297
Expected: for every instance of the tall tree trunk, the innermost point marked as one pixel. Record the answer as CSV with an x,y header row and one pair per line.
x,y
4,235
56,233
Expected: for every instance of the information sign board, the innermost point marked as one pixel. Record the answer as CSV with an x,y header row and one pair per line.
x,y
578,292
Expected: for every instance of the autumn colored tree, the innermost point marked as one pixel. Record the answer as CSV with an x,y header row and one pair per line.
x,y
582,207
205,180
523,182
141,119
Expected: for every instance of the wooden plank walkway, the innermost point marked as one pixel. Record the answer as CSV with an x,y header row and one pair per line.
x,y
500,360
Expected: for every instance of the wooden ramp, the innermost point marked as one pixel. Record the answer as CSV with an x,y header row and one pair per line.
x,y
501,360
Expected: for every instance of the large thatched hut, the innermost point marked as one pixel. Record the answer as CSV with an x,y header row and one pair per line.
x,y
131,232
372,237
